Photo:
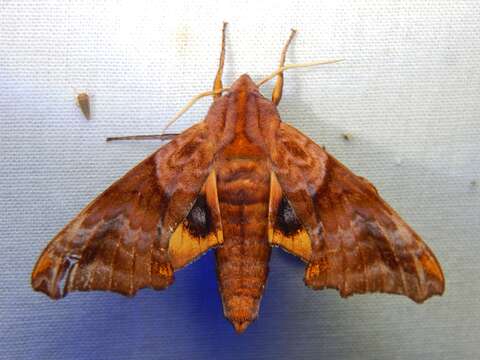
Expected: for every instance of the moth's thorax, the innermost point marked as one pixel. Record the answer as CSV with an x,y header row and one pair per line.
x,y
241,119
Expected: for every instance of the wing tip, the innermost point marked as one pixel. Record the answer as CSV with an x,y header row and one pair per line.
x,y
434,287
42,283
46,276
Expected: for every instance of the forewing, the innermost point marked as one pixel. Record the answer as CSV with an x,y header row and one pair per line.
x,y
120,241
359,244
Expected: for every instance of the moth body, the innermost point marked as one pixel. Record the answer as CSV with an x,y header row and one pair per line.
x,y
243,183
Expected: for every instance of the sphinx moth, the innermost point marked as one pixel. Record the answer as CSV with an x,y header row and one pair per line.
x,y
241,181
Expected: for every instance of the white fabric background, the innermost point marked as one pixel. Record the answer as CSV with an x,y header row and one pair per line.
x,y
408,93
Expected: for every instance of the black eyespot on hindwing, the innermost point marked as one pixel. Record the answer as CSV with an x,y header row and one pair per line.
x,y
199,219
286,221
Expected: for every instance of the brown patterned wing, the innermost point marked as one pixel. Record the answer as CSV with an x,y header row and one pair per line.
x,y
359,244
120,241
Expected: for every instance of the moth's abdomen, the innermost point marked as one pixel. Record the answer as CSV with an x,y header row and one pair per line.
x,y
242,260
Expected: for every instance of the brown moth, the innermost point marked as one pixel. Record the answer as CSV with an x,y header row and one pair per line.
x,y
83,102
241,181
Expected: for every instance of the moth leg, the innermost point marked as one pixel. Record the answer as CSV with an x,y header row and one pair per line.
x,y
278,89
163,137
217,83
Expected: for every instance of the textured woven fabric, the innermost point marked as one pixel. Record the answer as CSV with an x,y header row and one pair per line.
x,y
408,93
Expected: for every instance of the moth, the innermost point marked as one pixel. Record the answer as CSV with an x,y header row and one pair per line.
x,y
240,182
83,102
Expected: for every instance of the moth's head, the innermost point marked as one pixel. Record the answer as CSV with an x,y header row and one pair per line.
x,y
244,83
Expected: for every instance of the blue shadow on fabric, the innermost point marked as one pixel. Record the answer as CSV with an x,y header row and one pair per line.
x,y
185,321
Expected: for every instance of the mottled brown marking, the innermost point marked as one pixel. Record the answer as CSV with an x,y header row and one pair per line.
x,y
123,222
359,244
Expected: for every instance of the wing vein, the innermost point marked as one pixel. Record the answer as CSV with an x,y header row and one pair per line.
x,y
133,267
114,257
397,259
90,269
